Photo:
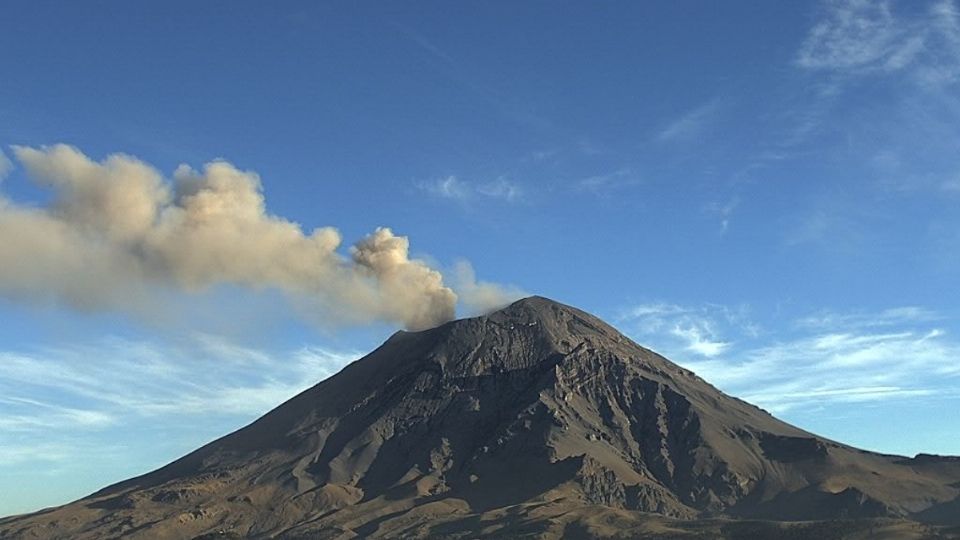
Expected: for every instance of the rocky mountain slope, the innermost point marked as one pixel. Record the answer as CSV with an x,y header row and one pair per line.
x,y
538,420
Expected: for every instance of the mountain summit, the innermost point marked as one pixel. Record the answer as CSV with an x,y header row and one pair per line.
x,y
538,420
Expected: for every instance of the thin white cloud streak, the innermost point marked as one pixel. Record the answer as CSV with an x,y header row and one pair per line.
x,y
692,123
908,54
455,189
689,329
604,183
63,390
699,341
114,408
723,212
450,187
838,358
867,36
15,454
887,317
501,188
833,225
809,371
23,414
913,47
859,34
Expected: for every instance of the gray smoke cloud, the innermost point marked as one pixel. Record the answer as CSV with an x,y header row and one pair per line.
x,y
481,297
117,230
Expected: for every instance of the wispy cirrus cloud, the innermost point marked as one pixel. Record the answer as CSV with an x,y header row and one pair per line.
x,y
833,320
691,123
700,339
61,388
723,211
606,182
455,189
501,188
851,367
107,409
827,357
860,35
911,52
24,414
694,330
867,36
835,224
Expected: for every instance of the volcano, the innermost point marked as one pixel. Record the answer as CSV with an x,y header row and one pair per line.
x,y
536,421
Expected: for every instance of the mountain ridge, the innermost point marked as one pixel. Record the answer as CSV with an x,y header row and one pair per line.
x,y
535,406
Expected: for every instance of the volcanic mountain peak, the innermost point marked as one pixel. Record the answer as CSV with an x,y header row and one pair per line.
x,y
520,336
526,415
534,310
523,335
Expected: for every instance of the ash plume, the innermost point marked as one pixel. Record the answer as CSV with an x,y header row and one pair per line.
x,y
116,232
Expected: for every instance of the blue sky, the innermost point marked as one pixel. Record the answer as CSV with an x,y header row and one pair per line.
x,y
766,192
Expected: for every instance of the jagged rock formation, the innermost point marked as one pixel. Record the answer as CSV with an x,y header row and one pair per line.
x,y
537,420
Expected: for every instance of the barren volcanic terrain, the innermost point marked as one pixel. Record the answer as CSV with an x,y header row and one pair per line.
x,y
536,421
